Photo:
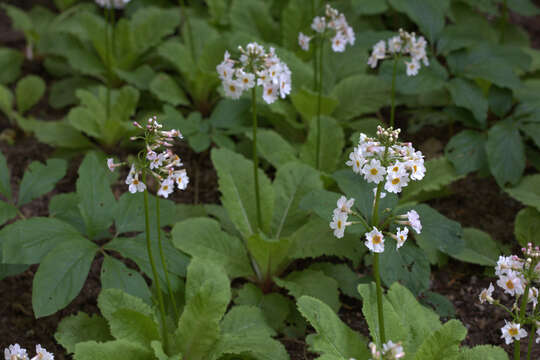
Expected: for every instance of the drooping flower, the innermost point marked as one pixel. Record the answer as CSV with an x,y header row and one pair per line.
x,y
512,331
375,241
486,294
42,354
414,221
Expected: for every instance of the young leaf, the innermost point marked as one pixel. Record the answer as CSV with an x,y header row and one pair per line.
x,y
527,226
5,184
61,275
479,248
527,191
166,89
505,152
28,92
112,300
116,275
112,350
237,186
467,151
445,341
79,328
203,238
6,102
271,255
333,337
7,211
39,179
10,63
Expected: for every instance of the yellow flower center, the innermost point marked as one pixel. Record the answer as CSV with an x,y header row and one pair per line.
x,y
246,80
513,331
374,171
135,181
339,223
377,239
357,163
269,91
165,187
510,284
415,168
232,88
395,169
395,181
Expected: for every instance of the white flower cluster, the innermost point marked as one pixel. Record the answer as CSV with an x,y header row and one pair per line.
x,y
404,44
255,67
337,24
514,274
15,352
164,165
117,4
390,351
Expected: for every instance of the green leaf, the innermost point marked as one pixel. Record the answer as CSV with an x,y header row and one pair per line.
x,y
463,35
274,148
62,93
7,211
484,352
203,238
28,92
141,78
65,207
39,179
244,320
79,328
294,18
97,202
467,94
111,301
370,7
274,306
237,186
505,152
10,62
132,326
347,279
429,79
305,102
61,134
207,295
6,102
270,254
150,25
331,146
257,347
479,248
253,17
166,89
61,275
428,15
129,213
312,283
5,178
116,275
524,7
20,19
467,151
111,350
527,226
440,303
293,181
527,191
28,241
333,337
11,269
445,341
439,231
368,87
500,100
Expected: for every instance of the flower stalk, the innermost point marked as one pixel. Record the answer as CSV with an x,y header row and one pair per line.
x,y
255,156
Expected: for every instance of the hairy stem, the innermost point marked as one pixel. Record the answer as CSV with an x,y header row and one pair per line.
x,y
255,156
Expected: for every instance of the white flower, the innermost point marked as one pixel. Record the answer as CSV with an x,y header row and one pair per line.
x,y
117,4
512,331
394,44
15,352
111,165
344,205
181,179
401,236
284,84
398,169
414,221
372,61
339,42
246,79
375,241
486,294
412,67
418,170
42,354
356,161
319,24
135,185
166,188
507,264
393,351
533,296
233,88
339,223
379,50
270,93
225,69
382,195
394,184
538,338
373,171
303,41
151,155
511,283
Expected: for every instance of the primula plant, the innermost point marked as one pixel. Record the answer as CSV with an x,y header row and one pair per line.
x,y
517,276
15,352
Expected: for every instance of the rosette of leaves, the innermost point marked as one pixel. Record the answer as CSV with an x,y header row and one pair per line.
x,y
418,328
129,329
288,232
79,229
38,179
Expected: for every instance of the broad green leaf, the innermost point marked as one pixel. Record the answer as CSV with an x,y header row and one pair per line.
x,y
166,89
203,238
321,202
62,93
484,352
375,94
6,102
439,173
28,241
293,181
429,79
479,248
61,275
61,134
245,320
312,283
527,226
160,354
439,231
270,254
428,15
370,7
467,151
111,301
79,328
253,17
5,178
467,94
65,207
7,211
305,101
331,145
505,152
179,56
237,186
445,341
97,203
440,303
347,279
527,191
133,326
500,100
458,36
333,337
524,7
10,63
296,16
39,179
11,269
193,128
257,347
218,11
274,306
141,78
151,24
274,148
112,350
129,212
207,295
28,92
19,19
116,275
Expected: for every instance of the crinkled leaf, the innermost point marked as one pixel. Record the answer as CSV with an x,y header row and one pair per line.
x,y
484,352
111,350
141,77
505,152
347,279
270,254
39,179
79,328
112,300
445,341
274,148
245,320
257,347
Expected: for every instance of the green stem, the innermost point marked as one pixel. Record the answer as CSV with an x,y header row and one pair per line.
x,y
164,261
109,46
504,19
319,98
154,272
255,156
314,51
376,270
531,337
393,93
188,30
524,299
